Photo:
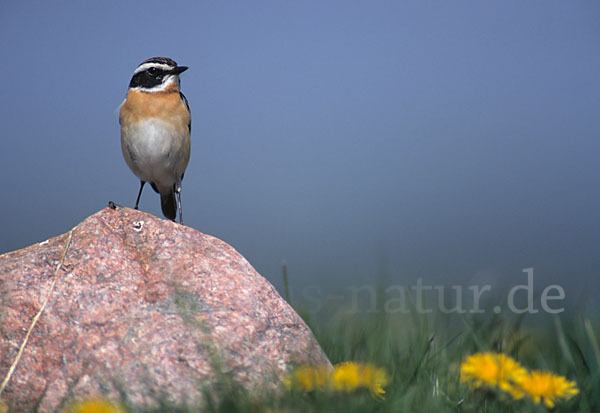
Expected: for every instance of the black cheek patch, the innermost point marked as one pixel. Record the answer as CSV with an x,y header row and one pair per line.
x,y
145,80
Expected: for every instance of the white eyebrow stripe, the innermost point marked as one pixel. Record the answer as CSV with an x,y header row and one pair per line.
x,y
147,66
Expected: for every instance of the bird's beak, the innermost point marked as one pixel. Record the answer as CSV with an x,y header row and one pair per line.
x,y
179,70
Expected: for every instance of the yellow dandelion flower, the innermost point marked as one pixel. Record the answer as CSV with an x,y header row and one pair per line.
x,y
350,376
96,405
493,370
347,377
308,378
541,385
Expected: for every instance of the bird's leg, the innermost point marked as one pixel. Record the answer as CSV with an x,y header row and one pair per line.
x,y
137,201
178,194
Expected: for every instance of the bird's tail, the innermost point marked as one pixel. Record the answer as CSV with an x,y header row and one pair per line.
x,y
168,205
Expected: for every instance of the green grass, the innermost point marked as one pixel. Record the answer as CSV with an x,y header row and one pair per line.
x,y
422,354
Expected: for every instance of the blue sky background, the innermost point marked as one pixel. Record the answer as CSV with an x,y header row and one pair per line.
x,y
359,141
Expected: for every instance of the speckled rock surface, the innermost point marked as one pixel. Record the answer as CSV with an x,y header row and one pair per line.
x,y
143,307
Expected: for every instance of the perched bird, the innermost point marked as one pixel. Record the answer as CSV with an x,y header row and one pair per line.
x,y
155,131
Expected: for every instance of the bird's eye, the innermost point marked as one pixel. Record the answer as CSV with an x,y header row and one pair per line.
x,y
153,71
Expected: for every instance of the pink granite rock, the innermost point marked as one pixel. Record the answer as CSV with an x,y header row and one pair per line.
x,y
145,308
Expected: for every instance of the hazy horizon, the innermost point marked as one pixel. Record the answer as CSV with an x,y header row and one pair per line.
x,y
360,143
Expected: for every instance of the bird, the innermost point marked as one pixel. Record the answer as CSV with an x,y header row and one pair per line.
x,y
155,121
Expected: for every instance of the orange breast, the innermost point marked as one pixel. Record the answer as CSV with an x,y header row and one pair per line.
x,y
163,105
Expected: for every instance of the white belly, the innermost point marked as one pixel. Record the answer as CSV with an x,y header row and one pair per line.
x,y
155,152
